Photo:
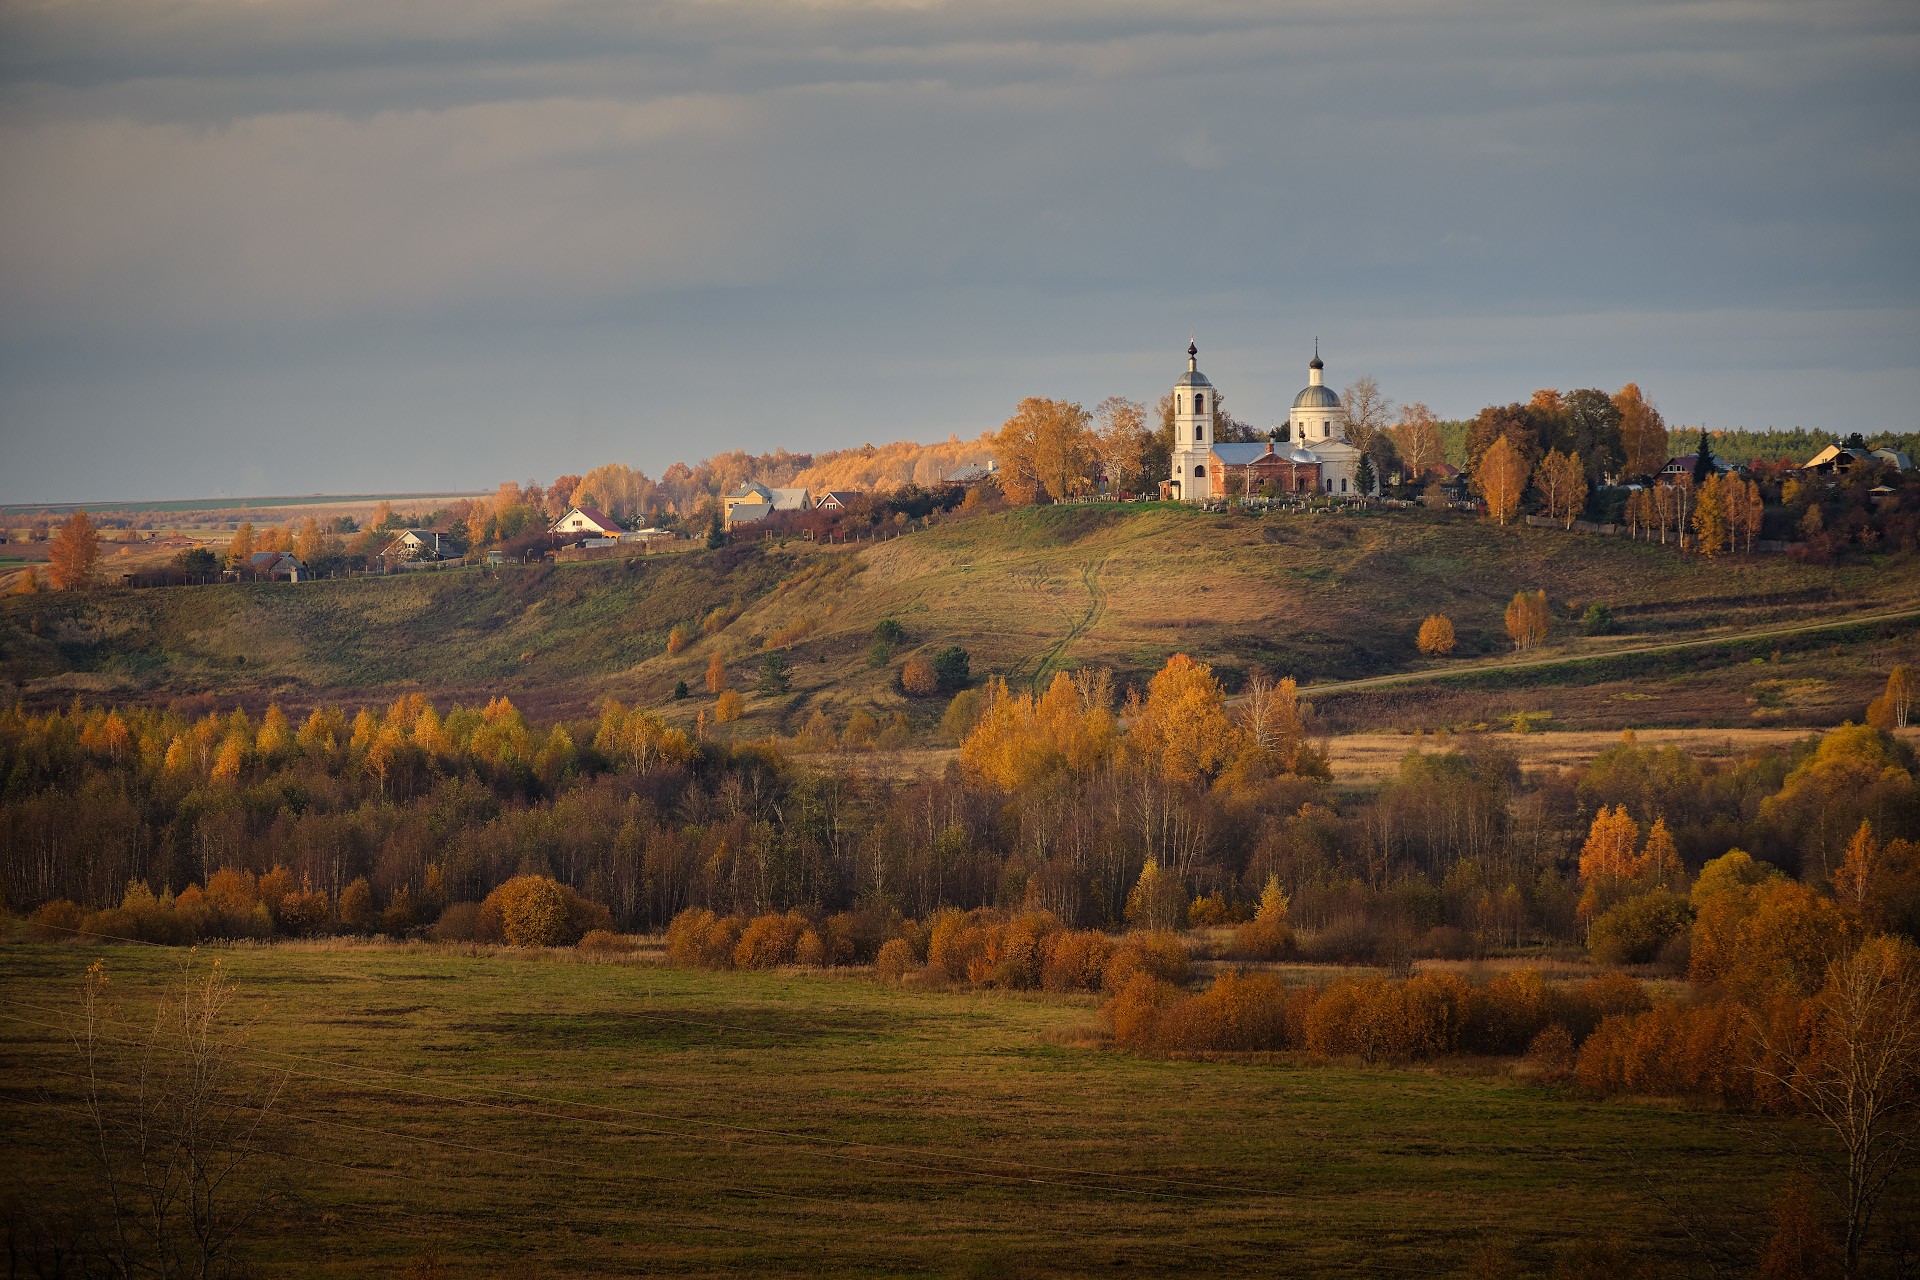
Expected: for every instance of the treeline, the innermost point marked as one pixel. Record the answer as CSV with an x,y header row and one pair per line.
x,y
1063,802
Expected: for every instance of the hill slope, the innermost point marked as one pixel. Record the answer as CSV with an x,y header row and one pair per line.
x,y
1027,592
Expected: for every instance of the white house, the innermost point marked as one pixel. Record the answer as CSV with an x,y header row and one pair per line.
x,y
586,520
419,544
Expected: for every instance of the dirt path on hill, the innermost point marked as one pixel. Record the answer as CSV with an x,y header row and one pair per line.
x,y
1097,594
1666,646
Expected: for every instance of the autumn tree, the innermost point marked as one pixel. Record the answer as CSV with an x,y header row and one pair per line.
x,y
1045,450
240,550
1858,1073
1643,432
1499,478
1123,443
1608,853
174,1116
1528,619
1639,512
1367,412
1593,431
1893,709
74,553
1518,424
1562,481
1417,436
1158,900
1274,721
1436,636
1182,727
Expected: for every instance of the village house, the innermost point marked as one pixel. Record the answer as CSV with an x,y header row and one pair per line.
x,y
274,566
419,546
973,473
1840,459
1684,465
588,521
755,501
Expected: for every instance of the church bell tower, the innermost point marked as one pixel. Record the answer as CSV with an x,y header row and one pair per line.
x,y
1193,398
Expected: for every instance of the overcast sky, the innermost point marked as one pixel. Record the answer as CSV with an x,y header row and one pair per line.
x,y
301,246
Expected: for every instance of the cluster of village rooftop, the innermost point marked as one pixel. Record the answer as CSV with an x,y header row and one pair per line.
x,y
587,526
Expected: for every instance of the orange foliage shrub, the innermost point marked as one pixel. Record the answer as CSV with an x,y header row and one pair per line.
x,y
1672,1049
1134,1013
57,920
769,941
917,677
1551,1054
538,911
698,939
1076,959
1157,953
811,950
954,941
895,959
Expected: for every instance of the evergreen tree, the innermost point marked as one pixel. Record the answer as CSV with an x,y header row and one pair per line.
x,y
1702,461
775,677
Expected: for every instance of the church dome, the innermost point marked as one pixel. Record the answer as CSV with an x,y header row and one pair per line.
x,y
1317,397
1192,377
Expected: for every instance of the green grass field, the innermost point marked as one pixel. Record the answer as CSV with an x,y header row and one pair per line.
x,y
1028,592
526,1115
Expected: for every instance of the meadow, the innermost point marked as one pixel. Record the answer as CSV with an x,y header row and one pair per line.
x,y
455,1113
1322,598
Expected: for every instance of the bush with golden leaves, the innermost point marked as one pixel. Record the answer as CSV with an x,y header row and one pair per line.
x,y
1158,953
538,911
699,939
918,679
1076,960
770,940
896,959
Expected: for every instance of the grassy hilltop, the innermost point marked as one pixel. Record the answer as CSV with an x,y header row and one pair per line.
x,y
1028,592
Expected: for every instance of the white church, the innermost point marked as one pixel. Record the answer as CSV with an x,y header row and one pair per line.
x,y
1313,454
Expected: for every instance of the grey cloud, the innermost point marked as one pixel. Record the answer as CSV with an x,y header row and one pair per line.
x,y
200,204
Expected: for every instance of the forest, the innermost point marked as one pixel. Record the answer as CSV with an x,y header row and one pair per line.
x,y
383,820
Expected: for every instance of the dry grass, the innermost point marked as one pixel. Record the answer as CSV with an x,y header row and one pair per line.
x,y
499,1111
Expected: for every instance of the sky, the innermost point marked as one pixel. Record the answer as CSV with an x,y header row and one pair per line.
x,y
312,246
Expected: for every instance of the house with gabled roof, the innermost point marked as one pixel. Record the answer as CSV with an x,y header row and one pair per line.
x,y
588,521
276,566
755,501
420,546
